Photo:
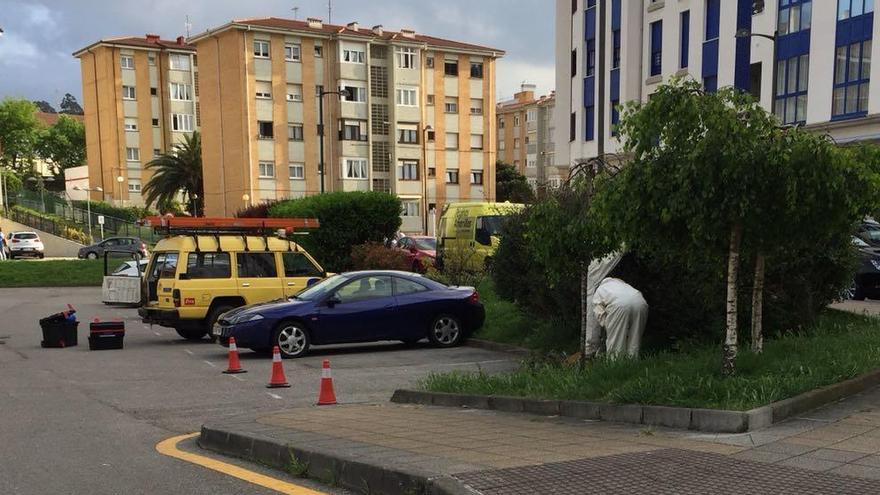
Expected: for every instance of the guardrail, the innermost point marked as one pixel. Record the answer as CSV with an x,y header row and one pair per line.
x,y
60,229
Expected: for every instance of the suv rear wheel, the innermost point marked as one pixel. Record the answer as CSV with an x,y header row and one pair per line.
x,y
190,333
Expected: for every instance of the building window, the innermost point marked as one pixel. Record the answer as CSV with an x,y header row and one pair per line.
x,y
155,122
450,104
181,122
353,130
574,63
265,129
853,8
263,90
261,49
151,59
572,126
615,49
294,132
531,163
156,152
266,170
656,47
408,136
430,99
429,62
294,92
591,58
516,143
476,141
477,70
406,58
180,92
430,136
297,171
615,116
134,187
355,168
476,106
154,91
852,77
531,115
685,41
128,93
408,170
589,123
791,88
407,97
409,208
501,145
450,68
319,51
179,61
432,172
127,62
452,140
574,6
713,19
292,52
132,154
796,15
710,84
355,94
477,178
318,90
353,56
131,124
452,176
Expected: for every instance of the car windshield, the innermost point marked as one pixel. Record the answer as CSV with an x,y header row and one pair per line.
x,y
428,243
491,224
321,289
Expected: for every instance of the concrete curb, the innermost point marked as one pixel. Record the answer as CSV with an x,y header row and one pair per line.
x,y
708,420
497,346
328,466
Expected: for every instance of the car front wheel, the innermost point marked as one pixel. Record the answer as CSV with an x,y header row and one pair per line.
x,y
292,339
446,331
92,256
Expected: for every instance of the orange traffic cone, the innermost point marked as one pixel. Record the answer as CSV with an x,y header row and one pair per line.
x,y
278,380
326,397
234,364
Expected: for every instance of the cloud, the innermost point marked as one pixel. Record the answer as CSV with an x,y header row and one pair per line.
x,y
39,16
511,73
16,51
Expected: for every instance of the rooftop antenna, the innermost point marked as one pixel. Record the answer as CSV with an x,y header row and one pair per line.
x,y
187,25
329,11
295,13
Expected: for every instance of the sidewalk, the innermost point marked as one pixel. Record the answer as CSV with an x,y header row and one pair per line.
x,y
403,449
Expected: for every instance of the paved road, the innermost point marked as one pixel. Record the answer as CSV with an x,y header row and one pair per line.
x,y
82,422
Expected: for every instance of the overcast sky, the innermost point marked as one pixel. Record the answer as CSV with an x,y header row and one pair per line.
x,y
40,35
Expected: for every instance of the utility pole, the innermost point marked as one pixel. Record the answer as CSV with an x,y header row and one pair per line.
x,y
187,25
295,13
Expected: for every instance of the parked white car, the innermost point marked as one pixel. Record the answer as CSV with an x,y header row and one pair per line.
x,y
130,269
23,244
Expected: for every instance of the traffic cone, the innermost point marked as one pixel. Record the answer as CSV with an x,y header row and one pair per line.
x,y
326,397
278,380
234,364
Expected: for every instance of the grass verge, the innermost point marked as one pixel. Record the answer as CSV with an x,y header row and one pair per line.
x,y
51,273
839,346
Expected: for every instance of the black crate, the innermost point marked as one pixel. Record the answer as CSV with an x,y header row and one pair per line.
x,y
107,326
59,333
99,341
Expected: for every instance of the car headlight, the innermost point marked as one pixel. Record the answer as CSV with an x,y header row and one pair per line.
x,y
247,318
876,264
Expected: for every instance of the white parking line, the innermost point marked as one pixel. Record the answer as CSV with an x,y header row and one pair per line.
x,y
157,334
238,378
209,363
188,352
274,396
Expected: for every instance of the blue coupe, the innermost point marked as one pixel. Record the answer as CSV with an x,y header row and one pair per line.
x,y
367,306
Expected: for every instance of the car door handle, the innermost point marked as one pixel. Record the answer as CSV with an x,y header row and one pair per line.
x,y
246,284
291,284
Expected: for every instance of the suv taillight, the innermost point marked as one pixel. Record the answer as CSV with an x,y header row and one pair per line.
x,y
475,298
176,297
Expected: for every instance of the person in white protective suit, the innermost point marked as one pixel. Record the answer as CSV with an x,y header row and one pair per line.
x,y
622,311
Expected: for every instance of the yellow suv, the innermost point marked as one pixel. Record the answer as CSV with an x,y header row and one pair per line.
x,y
193,279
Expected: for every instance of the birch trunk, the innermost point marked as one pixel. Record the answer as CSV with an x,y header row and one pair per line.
x,y
729,349
583,343
758,306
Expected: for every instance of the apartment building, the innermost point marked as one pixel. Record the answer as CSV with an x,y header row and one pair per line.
x,y
819,51
140,97
403,112
525,136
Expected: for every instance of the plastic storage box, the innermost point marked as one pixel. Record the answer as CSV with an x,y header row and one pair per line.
x,y
59,330
106,335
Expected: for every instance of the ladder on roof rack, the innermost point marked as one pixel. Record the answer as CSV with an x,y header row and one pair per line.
x,y
223,225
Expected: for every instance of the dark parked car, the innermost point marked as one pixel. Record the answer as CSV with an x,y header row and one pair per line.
x,y
869,231
367,306
867,278
131,244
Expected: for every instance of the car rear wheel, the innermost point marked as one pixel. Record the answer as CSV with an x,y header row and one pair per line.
x,y
292,339
445,331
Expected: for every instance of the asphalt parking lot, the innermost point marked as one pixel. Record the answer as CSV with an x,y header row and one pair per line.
x,y
93,418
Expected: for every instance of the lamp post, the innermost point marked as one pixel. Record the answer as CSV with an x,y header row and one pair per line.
x,y
88,191
321,94
120,179
747,33
246,198
425,210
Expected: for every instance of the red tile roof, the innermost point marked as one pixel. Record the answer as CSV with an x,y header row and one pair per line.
x,y
366,32
141,42
48,119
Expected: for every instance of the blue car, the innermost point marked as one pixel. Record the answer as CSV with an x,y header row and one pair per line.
x,y
367,306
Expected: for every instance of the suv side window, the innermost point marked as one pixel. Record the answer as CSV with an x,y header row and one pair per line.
x,y
297,265
208,265
165,265
256,265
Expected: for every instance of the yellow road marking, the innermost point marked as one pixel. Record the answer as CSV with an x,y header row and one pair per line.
x,y
169,447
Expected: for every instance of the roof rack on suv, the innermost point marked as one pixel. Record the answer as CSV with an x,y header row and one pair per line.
x,y
221,225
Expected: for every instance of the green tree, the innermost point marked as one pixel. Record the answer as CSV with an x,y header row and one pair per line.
x,y
177,172
44,106
70,105
19,133
63,145
511,185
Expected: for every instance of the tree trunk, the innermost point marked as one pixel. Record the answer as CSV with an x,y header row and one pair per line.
x,y
583,344
729,349
758,306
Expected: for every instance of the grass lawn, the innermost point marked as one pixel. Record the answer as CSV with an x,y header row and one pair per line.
x,y
51,273
840,346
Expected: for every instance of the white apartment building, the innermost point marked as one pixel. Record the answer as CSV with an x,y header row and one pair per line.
x,y
823,51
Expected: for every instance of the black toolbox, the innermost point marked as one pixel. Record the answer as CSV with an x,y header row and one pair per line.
x,y
59,330
106,335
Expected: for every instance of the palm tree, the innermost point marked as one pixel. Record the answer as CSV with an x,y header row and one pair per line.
x,y
179,171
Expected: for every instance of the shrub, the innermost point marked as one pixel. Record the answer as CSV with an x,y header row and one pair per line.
x,y
347,219
375,256
128,213
60,226
259,210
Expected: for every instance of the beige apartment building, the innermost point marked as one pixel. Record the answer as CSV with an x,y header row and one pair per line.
x,y
140,97
416,116
525,136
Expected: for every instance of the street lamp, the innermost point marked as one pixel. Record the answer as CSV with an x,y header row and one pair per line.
x,y
88,191
246,198
342,93
747,33
428,129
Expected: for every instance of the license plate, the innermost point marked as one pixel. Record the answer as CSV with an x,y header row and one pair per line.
x,y
218,331
27,249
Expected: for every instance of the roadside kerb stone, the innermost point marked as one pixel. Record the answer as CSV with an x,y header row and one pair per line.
x,y
497,346
719,420
579,409
542,407
673,417
324,464
621,413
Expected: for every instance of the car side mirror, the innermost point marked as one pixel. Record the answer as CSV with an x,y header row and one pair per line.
x,y
333,301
